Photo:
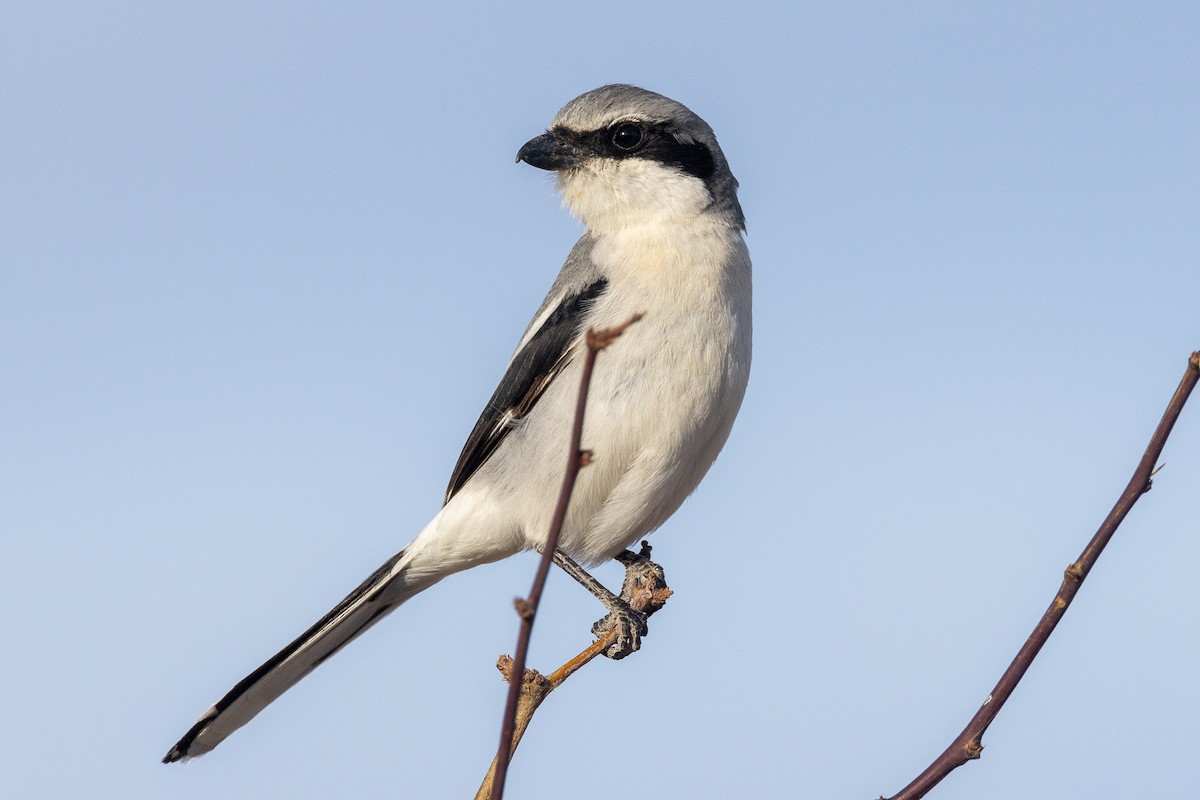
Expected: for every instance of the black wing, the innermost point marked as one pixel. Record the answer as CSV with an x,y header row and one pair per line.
x,y
532,369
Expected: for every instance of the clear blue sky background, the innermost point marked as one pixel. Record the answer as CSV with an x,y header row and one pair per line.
x,y
262,263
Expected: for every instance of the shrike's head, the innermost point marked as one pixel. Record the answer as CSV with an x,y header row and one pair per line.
x,y
625,156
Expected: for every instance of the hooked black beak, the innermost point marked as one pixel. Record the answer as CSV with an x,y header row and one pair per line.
x,y
549,151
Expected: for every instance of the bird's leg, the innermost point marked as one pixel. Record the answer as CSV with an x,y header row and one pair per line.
x,y
630,625
642,576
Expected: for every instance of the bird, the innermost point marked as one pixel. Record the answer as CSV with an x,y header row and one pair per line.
x,y
664,237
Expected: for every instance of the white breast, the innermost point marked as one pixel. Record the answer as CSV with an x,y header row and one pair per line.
x,y
665,395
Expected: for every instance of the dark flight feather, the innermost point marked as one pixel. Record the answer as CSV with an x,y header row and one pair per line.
x,y
531,370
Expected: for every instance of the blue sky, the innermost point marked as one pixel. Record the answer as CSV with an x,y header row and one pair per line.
x,y
261,265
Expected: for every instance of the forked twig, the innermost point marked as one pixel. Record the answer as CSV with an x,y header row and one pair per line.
x,y
969,743
527,606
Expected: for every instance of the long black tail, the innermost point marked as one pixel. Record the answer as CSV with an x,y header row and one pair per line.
x,y
361,609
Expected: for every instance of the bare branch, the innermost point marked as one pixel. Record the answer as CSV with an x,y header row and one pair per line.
x,y
969,743
527,607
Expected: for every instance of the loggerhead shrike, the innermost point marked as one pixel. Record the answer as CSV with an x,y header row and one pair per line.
x,y
663,237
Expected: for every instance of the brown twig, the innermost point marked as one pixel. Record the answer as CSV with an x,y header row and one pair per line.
x,y
527,607
969,743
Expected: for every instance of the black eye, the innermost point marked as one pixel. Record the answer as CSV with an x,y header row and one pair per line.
x,y
627,136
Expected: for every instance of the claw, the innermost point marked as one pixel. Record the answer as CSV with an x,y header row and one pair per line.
x,y
629,625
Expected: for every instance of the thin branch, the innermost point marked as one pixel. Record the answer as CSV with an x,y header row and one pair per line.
x,y
969,743
527,607
645,591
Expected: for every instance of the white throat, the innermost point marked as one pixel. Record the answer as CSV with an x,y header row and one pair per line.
x,y
611,196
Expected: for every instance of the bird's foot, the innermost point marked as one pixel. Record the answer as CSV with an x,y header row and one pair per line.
x,y
643,592
629,627
643,578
